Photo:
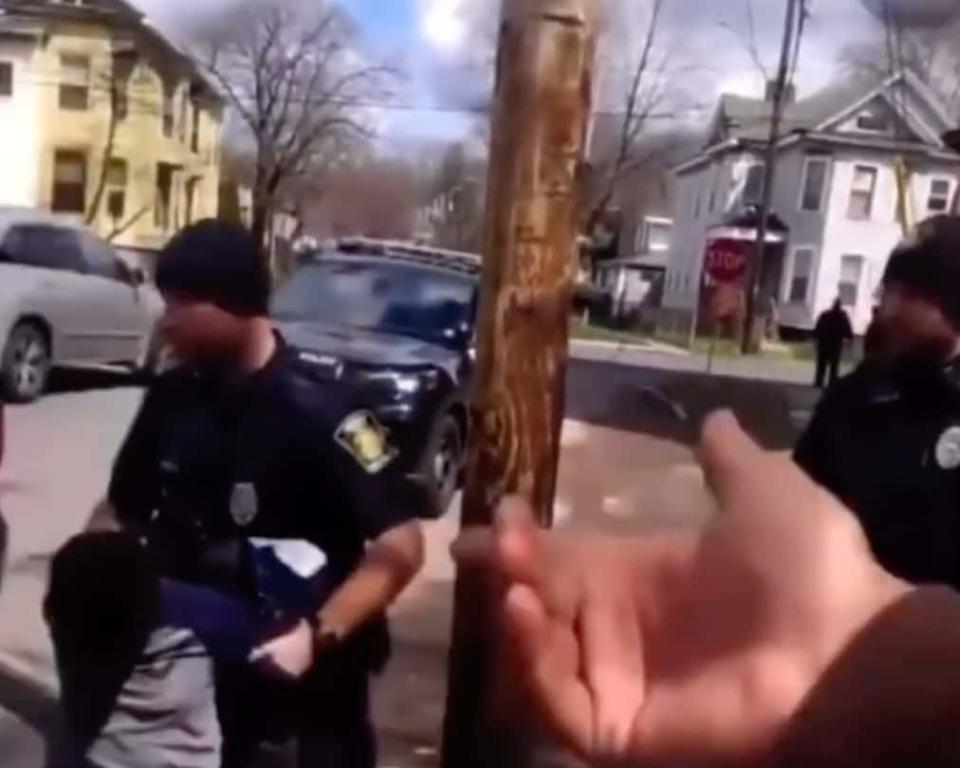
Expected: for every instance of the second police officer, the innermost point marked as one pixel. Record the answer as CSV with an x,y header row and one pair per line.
x,y
886,440
246,441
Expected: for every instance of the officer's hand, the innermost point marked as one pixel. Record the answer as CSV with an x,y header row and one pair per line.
x,y
290,655
688,650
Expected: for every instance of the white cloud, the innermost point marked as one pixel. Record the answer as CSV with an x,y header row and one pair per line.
x,y
443,24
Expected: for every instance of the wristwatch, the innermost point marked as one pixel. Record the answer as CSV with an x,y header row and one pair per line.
x,y
325,637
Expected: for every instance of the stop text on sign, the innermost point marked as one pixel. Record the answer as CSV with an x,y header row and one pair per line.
x,y
726,260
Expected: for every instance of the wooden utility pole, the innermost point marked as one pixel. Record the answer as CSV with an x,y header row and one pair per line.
x,y
781,88
540,121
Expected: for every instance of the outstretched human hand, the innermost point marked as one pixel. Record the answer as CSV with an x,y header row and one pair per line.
x,y
688,650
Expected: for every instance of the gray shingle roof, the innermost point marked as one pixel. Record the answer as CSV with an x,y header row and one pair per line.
x,y
748,119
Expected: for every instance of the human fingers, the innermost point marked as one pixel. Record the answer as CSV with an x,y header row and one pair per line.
x,y
475,547
612,659
518,541
509,547
290,654
548,657
730,460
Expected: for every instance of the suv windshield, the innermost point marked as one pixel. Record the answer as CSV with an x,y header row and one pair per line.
x,y
371,295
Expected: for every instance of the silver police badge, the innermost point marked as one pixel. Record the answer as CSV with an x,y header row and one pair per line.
x,y
243,504
948,449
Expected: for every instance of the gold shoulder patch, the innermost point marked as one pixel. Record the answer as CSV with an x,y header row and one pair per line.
x,y
366,440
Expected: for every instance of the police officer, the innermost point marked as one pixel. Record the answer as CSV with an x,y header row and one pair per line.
x,y
886,440
832,332
247,441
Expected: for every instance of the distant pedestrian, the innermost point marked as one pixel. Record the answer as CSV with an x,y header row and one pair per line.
x,y
832,333
135,655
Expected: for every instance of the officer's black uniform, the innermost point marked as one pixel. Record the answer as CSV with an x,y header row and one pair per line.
x,y
213,459
886,441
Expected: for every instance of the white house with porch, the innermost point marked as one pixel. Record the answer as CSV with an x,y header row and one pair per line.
x,y
857,163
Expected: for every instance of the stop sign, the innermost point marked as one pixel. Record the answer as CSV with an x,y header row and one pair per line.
x,y
726,260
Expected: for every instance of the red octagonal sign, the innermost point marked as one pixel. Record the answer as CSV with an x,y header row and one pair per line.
x,y
726,260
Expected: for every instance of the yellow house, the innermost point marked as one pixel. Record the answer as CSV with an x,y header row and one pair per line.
x,y
102,118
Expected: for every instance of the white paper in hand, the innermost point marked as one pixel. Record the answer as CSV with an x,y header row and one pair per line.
x,y
303,558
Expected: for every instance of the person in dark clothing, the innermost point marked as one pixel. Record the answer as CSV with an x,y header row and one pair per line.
x,y
135,655
250,444
833,331
886,440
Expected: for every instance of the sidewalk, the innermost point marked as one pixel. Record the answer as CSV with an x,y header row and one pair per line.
x,y
667,358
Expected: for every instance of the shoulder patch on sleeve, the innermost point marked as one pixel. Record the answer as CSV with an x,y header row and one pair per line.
x,y
366,440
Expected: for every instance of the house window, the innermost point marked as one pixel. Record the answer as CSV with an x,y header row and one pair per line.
x,y
939,200
191,199
164,191
6,78
861,195
121,100
168,111
195,132
874,121
851,275
184,117
74,82
658,237
116,185
69,182
753,189
798,292
814,184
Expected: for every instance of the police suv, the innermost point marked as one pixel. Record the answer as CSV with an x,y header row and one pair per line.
x,y
396,322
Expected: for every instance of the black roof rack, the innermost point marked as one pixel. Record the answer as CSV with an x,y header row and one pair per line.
x,y
468,263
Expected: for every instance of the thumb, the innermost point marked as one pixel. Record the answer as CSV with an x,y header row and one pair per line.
x,y
518,542
733,464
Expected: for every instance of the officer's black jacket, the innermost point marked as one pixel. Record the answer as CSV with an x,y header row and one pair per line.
x,y
213,459
886,441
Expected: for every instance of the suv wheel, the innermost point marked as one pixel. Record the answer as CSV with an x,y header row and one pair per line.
x,y
25,365
443,461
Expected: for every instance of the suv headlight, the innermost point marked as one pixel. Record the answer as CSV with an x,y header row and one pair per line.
x,y
403,382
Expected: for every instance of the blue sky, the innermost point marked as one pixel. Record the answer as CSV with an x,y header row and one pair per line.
x,y
392,23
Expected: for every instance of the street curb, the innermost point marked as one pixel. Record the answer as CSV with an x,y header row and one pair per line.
x,y
26,674
653,348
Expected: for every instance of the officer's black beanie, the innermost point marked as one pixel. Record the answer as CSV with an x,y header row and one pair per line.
x,y
216,262
928,263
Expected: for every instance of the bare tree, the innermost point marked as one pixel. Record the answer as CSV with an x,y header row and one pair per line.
x,y
642,98
293,78
933,55
114,86
748,38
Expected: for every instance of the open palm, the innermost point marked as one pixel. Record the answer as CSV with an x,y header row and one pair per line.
x,y
689,649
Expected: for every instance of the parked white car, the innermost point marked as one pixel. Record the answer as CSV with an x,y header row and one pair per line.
x,y
66,300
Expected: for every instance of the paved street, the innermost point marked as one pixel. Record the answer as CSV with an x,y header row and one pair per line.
x,y
626,464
